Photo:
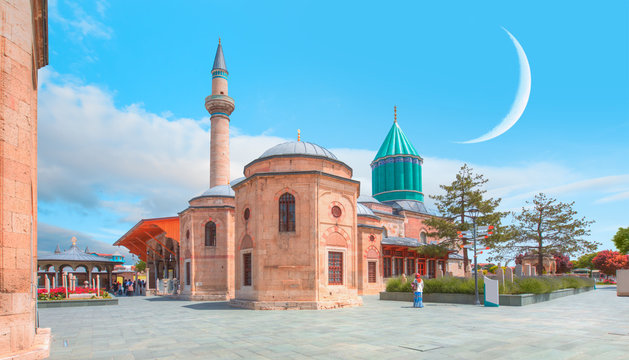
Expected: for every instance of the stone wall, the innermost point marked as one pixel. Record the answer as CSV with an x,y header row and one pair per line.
x,y
212,267
289,269
23,49
622,282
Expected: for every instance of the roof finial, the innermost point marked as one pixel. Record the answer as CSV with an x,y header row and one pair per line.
x,y
394,113
298,134
74,241
219,40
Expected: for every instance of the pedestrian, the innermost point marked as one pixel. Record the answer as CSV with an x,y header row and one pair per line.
x,y
418,288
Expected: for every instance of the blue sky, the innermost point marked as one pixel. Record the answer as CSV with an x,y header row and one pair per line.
x,y
123,128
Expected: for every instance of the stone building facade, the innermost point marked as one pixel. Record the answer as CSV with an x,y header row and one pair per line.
x,y
295,232
23,50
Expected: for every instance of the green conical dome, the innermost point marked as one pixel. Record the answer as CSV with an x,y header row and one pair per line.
x,y
396,172
396,143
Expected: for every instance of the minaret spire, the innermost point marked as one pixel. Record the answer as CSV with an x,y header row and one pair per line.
x,y
395,113
220,106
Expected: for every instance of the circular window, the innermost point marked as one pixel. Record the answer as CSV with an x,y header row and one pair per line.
x,y
372,238
247,214
336,211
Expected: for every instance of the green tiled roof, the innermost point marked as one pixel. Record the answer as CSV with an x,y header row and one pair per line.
x,y
396,143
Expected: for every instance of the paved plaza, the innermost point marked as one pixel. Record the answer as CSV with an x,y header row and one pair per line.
x,y
593,325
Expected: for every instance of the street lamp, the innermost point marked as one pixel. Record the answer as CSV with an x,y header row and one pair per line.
x,y
473,213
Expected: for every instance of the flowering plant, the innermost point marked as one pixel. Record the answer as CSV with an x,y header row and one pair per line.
x,y
59,293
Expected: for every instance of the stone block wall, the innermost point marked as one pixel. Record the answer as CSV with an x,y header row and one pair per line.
x,y
212,267
22,43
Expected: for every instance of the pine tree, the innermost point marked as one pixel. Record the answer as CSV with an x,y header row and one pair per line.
x,y
548,227
464,193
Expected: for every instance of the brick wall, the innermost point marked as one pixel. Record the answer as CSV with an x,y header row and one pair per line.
x,y
21,45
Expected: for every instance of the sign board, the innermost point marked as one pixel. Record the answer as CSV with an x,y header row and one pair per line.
x,y
492,298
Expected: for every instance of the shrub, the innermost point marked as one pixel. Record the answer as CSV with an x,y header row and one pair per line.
x,y
523,285
546,284
397,285
452,285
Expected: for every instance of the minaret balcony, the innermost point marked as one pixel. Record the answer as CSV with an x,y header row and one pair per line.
x,y
221,104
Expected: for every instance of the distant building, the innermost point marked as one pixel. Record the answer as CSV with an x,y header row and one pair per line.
x,y
294,232
85,265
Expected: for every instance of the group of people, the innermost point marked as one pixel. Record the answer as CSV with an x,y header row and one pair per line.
x,y
129,287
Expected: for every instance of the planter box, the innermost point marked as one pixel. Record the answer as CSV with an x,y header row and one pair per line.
x,y
505,300
72,303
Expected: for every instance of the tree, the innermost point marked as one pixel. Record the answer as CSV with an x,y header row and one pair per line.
x,y
140,266
585,261
562,263
609,261
548,227
464,193
621,240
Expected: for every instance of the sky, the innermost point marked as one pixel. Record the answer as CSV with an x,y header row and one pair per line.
x,y
124,134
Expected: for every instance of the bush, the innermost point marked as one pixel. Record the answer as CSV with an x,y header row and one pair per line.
x,y
546,284
397,285
452,285
523,285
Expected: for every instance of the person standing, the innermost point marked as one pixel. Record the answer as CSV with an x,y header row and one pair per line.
x,y
418,289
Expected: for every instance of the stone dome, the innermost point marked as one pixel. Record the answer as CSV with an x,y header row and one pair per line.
x,y
217,191
367,199
362,210
298,148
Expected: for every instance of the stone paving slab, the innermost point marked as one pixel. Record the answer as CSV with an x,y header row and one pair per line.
x,y
592,325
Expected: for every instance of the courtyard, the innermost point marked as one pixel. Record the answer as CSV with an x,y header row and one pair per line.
x,y
593,325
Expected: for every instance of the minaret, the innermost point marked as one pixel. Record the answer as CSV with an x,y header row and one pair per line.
x,y
220,106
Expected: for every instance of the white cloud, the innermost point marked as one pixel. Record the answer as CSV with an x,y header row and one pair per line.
x,y
138,164
77,22
49,236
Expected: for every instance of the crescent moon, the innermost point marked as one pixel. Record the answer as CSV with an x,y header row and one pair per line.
x,y
521,97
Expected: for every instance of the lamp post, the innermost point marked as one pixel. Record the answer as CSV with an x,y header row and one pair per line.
x,y
473,213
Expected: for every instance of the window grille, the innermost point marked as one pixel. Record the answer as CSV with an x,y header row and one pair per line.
x,y
335,268
210,234
246,261
287,212
371,269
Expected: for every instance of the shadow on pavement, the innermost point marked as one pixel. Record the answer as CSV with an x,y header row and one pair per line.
x,y
214,305
163,298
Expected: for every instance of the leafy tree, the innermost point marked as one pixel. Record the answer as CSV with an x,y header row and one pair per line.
x,y
609,261
548,227
140,266
585,261
464,193
621,240
562,263
432,250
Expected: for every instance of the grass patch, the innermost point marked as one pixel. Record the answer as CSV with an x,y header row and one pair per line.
x,y
523,285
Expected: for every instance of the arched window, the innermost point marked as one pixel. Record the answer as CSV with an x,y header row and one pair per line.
x,y
422,237
287,212
210,234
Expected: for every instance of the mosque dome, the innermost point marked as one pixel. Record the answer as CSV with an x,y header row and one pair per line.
x,y
367,199
217,191
362,210
396,171
298,148
298,156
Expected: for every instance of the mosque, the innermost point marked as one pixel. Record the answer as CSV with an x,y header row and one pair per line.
x,y
294,232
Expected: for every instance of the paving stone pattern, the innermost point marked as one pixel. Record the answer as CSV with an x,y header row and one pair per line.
x,y
592,325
